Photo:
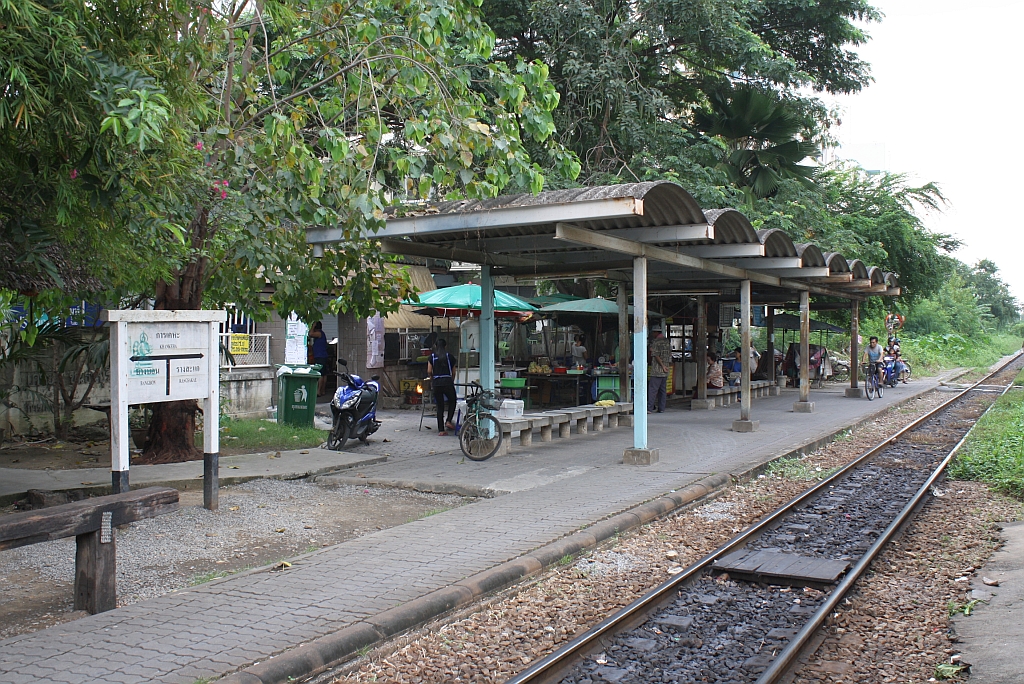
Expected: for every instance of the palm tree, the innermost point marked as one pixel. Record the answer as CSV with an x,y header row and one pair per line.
x,y
762,134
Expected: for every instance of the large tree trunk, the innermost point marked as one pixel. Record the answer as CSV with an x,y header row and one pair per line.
x,y
171,436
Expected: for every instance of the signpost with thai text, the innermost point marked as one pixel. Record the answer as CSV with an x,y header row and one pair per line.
x,y
159,356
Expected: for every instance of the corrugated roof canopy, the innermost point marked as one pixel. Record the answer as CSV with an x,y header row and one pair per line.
x,y
597,231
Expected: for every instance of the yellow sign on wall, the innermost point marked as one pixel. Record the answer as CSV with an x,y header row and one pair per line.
x,y
239,344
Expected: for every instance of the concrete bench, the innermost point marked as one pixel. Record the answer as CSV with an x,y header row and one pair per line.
x,y
93,523
583,418
730,394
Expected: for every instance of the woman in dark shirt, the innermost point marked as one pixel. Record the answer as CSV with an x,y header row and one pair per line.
x,y
320,355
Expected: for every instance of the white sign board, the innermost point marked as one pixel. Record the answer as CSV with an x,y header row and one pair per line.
x,y
167,361
158,356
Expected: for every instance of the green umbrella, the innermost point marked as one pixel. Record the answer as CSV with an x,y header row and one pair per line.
x,y
597,305
468,297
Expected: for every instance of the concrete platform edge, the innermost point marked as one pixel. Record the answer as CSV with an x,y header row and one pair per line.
x,y
318,655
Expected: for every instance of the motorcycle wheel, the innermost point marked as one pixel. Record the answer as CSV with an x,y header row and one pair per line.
x,y
341,432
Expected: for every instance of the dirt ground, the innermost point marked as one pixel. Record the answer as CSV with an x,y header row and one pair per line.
x,y
87,447
259,523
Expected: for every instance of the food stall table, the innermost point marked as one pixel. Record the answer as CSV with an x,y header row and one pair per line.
x,y
557,379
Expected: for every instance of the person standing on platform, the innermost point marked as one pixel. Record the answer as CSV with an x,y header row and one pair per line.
x,y
661,357
441,369
318,341
579,352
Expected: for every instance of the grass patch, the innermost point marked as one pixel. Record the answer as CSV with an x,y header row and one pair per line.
x,y
994,452
252,434
796,469
928,354
208,577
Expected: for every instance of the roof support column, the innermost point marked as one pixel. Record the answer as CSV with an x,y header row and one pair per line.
x,y
486,328
640,454
853,391
805,405
700,392
770,349
744,424
622,358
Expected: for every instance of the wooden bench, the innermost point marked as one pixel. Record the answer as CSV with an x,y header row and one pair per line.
x,y
93,524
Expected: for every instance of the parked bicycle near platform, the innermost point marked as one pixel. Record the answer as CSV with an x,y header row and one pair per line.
x,y
480,433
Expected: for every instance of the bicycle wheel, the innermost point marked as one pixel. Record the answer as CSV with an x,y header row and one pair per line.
x,y
480,437
878,388
869,388
606,394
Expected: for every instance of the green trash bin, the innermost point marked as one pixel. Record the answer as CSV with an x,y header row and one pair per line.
x,y
296,394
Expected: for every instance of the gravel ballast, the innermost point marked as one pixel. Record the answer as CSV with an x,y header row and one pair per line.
x,y
509,632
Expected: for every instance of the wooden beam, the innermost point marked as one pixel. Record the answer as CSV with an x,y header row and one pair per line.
x,y
419,249
802,272
601,240
83,517
679,233
768,263
836,278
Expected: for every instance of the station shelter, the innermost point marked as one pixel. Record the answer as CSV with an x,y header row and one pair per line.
x,y
653,237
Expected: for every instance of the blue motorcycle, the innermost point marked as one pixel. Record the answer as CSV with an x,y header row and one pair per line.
x,y
354,407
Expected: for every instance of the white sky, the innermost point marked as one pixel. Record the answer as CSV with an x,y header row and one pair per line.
x,y
945,107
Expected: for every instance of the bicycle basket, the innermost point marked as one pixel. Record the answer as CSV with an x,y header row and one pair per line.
x,y
490,400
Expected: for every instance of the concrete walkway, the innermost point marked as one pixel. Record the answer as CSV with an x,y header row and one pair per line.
x,y
553,490
992,637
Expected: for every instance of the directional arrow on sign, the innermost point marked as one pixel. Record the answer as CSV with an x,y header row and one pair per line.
x,y
168,358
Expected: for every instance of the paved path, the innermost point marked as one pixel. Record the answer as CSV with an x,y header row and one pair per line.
x,y
553,490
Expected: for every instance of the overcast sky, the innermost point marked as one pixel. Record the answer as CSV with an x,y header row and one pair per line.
x,y
945,107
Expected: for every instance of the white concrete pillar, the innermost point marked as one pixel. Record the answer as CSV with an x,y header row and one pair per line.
x,y
744,424
486,328
805,405
640,454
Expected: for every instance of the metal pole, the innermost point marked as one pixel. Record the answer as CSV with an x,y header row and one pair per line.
x,y
770,351
623,356
486,328
640,352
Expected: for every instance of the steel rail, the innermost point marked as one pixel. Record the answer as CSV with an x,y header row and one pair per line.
x,y
554,665
788,656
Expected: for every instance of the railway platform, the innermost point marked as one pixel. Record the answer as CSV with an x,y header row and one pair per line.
x,y
378,583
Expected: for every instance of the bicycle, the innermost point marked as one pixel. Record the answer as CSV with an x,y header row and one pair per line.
x,y
480,434
871,384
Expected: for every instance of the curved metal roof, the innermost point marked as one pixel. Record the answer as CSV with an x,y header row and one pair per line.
x,y
777,243
810,255
731,227
859,270
837,263
528,235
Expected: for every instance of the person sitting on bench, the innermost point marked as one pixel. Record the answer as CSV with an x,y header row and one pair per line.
x,y
715,377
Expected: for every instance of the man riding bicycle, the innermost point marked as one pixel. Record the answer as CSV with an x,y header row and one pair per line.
x,y
873,358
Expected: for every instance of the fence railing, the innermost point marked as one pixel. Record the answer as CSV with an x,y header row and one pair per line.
x,y
257,356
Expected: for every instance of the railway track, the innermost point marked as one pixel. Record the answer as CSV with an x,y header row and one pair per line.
x,y
747,611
